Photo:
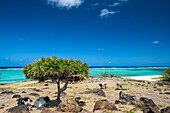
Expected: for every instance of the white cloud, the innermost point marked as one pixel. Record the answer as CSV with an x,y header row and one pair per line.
x,y
115,4
155,42
66,3
106,13
100,49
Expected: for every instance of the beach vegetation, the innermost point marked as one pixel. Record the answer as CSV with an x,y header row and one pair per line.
x,y
105,74
129,112
166,75
140,104
112,75
58,70
121,89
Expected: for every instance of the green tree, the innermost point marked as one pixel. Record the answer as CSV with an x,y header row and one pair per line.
x,y
57,70
166,75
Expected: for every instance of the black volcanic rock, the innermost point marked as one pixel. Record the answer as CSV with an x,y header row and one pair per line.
x,y
126,99
104,105
99,92
16,96
7,92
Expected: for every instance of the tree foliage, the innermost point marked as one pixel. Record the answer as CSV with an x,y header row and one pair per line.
x,y
53,68
166,75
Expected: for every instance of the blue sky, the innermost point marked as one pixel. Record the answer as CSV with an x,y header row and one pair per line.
x,y
98,32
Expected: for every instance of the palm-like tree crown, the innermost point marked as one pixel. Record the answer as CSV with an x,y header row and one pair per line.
x,y
53,68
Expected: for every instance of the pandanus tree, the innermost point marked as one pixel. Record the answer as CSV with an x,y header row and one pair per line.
x,y
57,70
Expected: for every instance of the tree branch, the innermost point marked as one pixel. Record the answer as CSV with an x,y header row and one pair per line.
x,y
65,86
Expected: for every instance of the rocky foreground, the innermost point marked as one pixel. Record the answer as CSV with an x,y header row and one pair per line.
x,y
120,96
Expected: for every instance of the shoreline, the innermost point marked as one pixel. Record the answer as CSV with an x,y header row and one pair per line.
x,y
147,78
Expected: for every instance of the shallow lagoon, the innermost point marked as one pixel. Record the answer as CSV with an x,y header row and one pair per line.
x,y
12,75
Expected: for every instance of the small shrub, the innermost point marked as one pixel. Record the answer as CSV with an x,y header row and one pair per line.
x,y
166,75
140,104
129,112
104,74
120,89
112,75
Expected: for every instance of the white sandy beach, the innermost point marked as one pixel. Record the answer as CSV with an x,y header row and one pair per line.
x,y
148,78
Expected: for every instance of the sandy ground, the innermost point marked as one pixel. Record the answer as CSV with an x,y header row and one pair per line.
x,y
147,78
139,89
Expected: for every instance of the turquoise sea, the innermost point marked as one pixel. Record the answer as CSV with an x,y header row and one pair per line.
x,y
12,75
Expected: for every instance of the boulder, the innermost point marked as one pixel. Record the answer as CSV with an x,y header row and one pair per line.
x,y
37,90
168,93
149,106
119,86
34,94
7,92
41,102
99,92
1,107
126,99
165,110
104,105
78,100
123,102
69,105
46,88
19,109
149,109
16,96
23,92
46,84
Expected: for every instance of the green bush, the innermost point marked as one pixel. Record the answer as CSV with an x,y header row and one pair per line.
x,y
104,74
166,75
112,75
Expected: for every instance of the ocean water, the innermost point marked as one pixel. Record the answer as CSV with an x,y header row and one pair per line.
x,y
129,72
13,75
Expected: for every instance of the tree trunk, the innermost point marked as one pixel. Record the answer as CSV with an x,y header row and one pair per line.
x,y
58,100
60,90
